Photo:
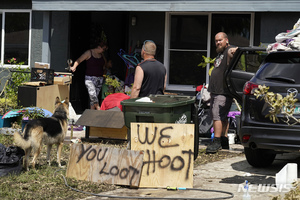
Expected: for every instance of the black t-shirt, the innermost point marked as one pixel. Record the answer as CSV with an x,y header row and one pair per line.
x,y
217,78
154,78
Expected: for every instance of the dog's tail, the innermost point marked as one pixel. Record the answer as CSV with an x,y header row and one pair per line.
x,y
20,141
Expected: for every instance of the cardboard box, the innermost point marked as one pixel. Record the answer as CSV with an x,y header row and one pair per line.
x,y
63,78
41,65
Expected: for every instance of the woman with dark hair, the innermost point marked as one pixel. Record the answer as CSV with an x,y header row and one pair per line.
x,y
95,65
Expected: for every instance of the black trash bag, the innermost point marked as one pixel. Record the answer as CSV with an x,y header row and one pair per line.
x,y
11,159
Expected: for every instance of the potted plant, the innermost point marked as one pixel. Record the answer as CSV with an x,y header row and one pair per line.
x,y
31,113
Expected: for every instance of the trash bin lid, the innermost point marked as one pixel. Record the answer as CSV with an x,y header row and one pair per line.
x,y
161,101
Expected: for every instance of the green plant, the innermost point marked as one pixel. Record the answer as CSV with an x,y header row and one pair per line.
x,y
33,113
207,60
18,76
11,79
6,105
113,84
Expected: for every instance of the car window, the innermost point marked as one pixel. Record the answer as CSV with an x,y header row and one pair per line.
x,y
250,61
281,71
281,66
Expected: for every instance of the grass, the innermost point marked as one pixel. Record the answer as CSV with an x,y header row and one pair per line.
x,y
46,182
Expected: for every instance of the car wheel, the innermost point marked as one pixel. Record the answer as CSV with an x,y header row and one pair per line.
x,y
259,157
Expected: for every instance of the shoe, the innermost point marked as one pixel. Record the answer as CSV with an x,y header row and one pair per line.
x,y
214,146
224,142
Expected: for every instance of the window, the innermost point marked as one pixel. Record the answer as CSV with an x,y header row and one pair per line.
x,y
236,26
188,42
15,42
250,61
192,36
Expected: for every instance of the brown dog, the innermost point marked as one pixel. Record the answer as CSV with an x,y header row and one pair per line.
x,y
49,131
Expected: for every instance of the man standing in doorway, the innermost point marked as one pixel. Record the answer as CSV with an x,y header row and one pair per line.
x,y
150,75
220,101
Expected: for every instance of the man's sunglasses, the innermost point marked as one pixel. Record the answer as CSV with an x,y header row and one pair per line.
x,y
146,42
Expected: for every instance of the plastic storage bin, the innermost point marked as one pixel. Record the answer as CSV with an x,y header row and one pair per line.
x,y
162,109
6,122
46,75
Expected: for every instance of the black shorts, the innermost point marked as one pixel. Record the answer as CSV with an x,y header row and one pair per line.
x,y
220,106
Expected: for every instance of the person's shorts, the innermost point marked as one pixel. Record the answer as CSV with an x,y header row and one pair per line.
x,y
220,106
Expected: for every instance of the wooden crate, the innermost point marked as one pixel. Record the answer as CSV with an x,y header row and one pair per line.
x,y
113,133
64,79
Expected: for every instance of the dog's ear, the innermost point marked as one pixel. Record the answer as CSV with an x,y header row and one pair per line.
x,y
66,101
57,100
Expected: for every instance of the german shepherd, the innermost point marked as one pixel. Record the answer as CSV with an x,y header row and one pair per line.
x,y
49,131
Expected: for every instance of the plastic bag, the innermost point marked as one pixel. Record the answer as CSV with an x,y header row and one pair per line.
x,y
10,160
205,122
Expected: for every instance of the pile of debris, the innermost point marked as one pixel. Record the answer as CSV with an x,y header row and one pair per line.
x,y
288,41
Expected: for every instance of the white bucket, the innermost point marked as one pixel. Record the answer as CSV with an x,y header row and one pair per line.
x,y
231,138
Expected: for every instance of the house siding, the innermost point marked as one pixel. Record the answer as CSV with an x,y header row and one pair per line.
x,y
168,5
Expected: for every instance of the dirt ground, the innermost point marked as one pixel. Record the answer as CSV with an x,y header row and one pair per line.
x,y
227,175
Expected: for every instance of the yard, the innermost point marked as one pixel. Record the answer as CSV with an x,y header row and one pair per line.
x,y
47,182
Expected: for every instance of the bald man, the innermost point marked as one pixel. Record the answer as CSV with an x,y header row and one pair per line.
x,y
220,101
150,75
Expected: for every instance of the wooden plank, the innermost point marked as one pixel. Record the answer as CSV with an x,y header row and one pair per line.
x,y
104,164
114,133
101,118
169,153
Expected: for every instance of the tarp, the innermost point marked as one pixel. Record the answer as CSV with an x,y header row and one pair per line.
x,y
113,100
18,112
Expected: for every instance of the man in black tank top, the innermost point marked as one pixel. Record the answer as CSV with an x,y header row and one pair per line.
x,y
220,101
150,75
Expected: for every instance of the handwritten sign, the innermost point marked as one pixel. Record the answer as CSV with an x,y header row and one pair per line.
x,y
103,164
168,153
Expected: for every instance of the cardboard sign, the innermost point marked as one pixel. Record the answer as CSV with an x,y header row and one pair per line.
x,y
168,153
104,164
41,65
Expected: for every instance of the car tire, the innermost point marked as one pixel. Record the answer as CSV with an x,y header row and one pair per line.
x,y
259,157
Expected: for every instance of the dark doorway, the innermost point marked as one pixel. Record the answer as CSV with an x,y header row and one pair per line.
x,y
84,27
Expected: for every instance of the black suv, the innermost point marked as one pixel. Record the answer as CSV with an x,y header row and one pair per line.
x,y
280,71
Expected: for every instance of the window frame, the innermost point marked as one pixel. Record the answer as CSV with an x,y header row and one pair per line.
x,y
168,15
3,12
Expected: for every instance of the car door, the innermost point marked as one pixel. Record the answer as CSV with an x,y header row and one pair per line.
x,y
242,68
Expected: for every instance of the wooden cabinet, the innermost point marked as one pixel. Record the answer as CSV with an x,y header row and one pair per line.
x,y
42,96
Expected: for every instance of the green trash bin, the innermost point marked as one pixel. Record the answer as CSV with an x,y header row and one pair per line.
x,y
162,109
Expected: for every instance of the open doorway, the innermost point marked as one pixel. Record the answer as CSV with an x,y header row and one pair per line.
x,y
84,28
